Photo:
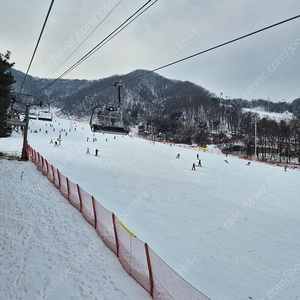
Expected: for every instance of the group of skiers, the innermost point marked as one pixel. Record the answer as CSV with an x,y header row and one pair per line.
x,y
96,151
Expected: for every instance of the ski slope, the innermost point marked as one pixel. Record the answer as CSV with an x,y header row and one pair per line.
x,y
229,229
48,250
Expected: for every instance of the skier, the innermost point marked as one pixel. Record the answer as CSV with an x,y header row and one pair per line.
x,y
178,155
51,142
199,163
285,168
226,161
248,164
87,150
194,167
96,152
55,144
197,156
87,139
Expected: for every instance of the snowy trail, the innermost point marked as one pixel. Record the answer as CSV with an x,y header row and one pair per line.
x,y
48,250
230,230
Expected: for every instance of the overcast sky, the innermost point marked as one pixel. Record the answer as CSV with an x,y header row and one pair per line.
x,y
262,66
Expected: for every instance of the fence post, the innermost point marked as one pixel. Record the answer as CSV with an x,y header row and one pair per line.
x,y
79,195
68,188
116,234
95,214
53,174
150,269
58,173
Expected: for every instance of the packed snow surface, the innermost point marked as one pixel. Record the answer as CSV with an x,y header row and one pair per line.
x,y
229,229
48,250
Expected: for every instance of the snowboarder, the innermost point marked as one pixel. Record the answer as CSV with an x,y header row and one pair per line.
x,y
96,152
87,150
199,163
194,167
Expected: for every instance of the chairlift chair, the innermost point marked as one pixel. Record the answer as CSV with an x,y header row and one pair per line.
x,y
13,119
106,119
33,114
45,116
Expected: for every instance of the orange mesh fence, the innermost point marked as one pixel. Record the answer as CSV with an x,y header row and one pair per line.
x,y
45,167
37,159
104,226
73,194
87,209
55,177
141,262
63,185
132,256
167,284
40,163
50,173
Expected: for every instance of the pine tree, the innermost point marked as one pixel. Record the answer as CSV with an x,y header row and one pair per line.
x,y
6,80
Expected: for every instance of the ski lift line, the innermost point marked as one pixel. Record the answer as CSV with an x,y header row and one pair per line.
x,y
102,43
86,38
46,19
215,47
196,54
116,33
93,50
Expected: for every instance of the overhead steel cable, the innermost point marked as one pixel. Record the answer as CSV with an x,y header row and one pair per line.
x,y
196,54
87,37
116,33
46,19
93,50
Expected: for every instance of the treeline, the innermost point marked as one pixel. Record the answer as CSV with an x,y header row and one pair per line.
x,y
226,126
6,81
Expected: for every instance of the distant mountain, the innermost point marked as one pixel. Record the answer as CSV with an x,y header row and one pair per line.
x,y
150,94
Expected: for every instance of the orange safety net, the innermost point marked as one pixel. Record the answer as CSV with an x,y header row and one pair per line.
x,y
141,262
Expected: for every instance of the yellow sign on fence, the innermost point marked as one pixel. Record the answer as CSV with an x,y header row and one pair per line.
x,y
204,149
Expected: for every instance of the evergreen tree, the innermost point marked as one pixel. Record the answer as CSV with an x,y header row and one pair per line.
x,y
6,80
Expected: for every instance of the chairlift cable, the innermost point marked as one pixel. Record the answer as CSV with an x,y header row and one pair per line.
x,y
93,50
116,33
86,37
196,54
46,19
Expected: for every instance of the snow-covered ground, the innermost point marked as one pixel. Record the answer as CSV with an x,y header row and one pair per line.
x,y
48,250
229,229
272,115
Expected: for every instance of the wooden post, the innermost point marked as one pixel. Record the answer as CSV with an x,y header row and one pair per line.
x,y
150,269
